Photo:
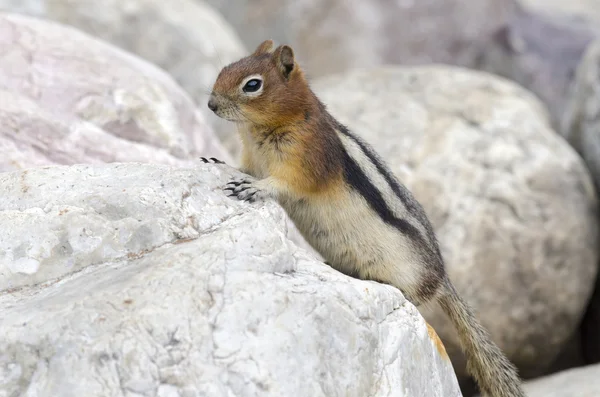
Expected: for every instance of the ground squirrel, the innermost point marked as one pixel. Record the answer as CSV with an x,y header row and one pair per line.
x,y
342,197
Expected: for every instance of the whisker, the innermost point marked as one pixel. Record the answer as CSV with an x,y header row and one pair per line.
x,y
221,64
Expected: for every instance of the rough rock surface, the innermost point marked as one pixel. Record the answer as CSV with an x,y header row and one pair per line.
x,y
32,136
580,382
336,35
541,52
512,203
67,77
582,129
187,38
146,280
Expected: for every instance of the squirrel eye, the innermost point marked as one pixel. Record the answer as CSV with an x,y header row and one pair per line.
x,y
252,85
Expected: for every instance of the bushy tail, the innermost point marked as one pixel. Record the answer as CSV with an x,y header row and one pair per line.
x,y
493,372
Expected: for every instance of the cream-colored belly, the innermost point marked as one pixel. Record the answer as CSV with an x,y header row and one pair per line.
x,y
355,240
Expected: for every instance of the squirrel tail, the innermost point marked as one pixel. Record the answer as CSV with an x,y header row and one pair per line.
x,y
495,375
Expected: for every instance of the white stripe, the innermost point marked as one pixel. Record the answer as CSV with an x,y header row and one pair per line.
x,y
393,202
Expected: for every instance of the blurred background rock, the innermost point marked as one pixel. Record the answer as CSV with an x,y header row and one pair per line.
x,y
488,109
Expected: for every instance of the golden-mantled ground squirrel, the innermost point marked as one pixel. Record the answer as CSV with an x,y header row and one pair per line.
x,y
342,197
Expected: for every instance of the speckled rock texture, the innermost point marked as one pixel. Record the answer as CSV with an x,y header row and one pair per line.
x,y
186,38
512,203
146,280
580,382
67,97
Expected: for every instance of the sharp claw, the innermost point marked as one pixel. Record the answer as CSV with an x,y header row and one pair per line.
x,y
240,187
212,159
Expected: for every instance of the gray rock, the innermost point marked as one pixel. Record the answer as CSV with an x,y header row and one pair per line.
x,y
187,38
332,36
580,382
540,51
76,88
146,280
581,125
585,10
582,129
512,203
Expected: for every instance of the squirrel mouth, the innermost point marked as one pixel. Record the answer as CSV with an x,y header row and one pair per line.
x,y
228,113
228,116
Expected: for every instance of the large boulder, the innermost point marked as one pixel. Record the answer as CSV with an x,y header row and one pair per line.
x,y
580,382
332,36
148,280
187,38
511,202
67,97
31,135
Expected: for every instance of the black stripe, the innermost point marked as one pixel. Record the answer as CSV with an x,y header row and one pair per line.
x,y
357,179
427,247
400,192
403,194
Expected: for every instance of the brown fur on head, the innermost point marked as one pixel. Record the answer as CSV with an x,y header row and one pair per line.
x,y
282,95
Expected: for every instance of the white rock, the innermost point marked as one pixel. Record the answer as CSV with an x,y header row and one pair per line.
x,y
512,203
177,290
577,382
31,135
186,38
69,77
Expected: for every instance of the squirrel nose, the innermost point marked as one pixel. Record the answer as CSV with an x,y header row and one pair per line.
x,y
212,104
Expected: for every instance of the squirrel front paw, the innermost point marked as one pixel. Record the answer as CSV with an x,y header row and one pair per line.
x,y
211,160
245,189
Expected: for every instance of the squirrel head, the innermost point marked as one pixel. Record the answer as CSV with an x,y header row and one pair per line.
x,y
267,88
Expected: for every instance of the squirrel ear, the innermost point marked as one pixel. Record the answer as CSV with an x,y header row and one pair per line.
x,y
284,58
264,47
